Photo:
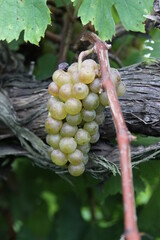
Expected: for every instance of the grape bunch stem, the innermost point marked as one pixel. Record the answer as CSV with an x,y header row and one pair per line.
x,y
123,136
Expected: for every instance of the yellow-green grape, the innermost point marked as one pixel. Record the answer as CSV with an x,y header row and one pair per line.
x,y
115,76
65,92
95,138
87,115
76,170
53,89
73,106
91,127
82,137
58,111
84,148
75,77
103,99
52,126
85,158
99,109
67,145
61,77
74,120
86,75
80,90
73,67
76,157
51,102
100,117
58,157
121,89
50,149
53,140
89,63
68,131
91,102
96,85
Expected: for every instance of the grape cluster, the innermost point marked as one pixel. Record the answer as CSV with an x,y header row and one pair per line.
x,y
75,112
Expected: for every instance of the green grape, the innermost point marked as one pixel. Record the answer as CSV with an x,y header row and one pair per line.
x,y
61,77
58,157
51,102
85,158
74,120
53,140
91,102
76,157
115,76
67,145
89,63
76,170
68,130
73,106
75,77
87,115
96,85
86,75
99,109
82,137
73,68
52,126
95,138
58,111
91,127
65,92
50,149
103,99
84,148
121,89
80,90
53,89
100,117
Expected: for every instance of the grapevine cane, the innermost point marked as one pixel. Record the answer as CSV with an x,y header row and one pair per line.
x,y
123,137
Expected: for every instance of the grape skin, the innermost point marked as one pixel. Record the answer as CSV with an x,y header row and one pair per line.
x,y
57,111
74,120
104,99
95,138
82,137
52,126
67,145
58,157
65,92
91,102
68,130
96,85
53,140
73,106
86,75
121,89
76,170
91,127
76,157
53,89
100,117
84,148
80,90
61,77
87,115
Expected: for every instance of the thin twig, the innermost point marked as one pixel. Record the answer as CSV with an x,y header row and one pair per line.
x,y
123,138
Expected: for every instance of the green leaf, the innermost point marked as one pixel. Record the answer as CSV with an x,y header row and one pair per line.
x,y
30,16
61,3
99,13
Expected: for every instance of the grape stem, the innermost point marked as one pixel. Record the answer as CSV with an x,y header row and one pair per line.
x,y
123,137
82,55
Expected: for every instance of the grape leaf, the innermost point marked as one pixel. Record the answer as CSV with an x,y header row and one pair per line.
x,y
61,3
99,13
32,16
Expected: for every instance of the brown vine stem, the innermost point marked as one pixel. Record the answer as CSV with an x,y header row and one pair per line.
x,y
123,137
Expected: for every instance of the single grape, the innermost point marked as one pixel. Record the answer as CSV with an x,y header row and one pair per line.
x,y
89,63
95,138
121,89
91,127
99,109
58,157
85,158
84,148
67,145
58,111
65,92
74,120
86,75
68,130
96,85
80,90
73,68
103,99
91,102
53,140
76,170
100,117
115,76
61,77
76,157
87,115
75,77
52,126
82,137
51,102
73,106
53,89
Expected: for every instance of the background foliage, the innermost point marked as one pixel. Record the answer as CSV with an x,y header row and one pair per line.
x,y
38,204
